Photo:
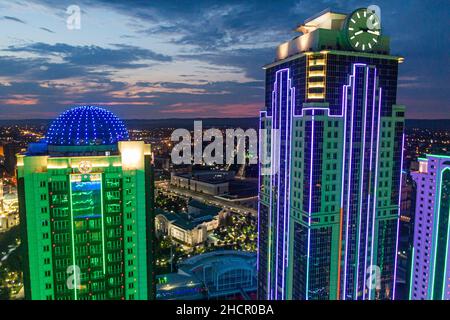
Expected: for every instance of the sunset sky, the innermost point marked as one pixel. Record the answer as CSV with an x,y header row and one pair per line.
x,y
190,59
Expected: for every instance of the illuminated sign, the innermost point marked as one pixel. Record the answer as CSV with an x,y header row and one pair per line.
x,y
85,166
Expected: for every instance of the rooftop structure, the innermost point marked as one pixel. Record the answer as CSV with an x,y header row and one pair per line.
x,y
86,211
223,274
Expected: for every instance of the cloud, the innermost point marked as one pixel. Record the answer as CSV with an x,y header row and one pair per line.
x,y
209,40
119,56
47,30
13,19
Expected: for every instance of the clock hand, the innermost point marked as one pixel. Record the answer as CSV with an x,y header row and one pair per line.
x,y
374,32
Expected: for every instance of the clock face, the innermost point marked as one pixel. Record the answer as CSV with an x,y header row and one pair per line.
x,y
363,29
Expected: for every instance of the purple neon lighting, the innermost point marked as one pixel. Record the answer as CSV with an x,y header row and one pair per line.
x,y
269,276
380,90
371,196
287,181
370,174
349,179
276,178
278,187
259,191
398,218
290,166
344,112
362,181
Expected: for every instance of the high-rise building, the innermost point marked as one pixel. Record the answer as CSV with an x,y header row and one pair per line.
x,y
329,196
86,211
430,270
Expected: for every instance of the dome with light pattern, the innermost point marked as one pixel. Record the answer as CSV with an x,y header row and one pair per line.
x,y
86,126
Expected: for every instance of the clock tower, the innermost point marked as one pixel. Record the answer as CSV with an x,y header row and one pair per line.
x,y
329,212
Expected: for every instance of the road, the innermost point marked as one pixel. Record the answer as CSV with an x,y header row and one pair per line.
x,y
165,187
11,250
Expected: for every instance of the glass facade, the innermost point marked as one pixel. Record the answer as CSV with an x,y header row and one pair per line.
x,y
85,217
430,272
329,198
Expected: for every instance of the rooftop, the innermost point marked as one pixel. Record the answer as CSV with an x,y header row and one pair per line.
x,y
86,126
190,220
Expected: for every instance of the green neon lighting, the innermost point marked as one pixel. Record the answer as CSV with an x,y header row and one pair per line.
x,y
73,240
446,250
438,156
411,275
103,227
436,228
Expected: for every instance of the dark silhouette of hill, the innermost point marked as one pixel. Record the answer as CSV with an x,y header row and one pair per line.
x,y
440,124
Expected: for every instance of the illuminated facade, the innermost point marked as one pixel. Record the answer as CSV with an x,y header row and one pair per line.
x,y
430,270
329,196
86,211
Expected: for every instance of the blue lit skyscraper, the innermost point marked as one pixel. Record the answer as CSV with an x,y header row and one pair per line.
x,y
329,198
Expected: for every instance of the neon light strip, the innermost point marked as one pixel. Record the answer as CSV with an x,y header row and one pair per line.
x,y
276,112
310,204
398,219
338,291
73,243
290,167
352,80
349,181
361,183
103,227
436,234
380,91
286,181
260,156
344,112
411,274
278,187
370,175
445,277
269,242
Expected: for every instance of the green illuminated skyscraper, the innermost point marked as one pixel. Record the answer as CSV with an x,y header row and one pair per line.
x,y
86,211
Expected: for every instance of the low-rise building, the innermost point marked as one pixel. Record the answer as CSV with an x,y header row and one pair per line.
x,y
190,228
222,274
209,182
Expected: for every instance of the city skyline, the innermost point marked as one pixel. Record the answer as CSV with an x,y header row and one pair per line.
x,y
157,61
238,150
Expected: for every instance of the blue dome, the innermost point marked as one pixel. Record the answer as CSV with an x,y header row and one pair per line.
x,y
86,126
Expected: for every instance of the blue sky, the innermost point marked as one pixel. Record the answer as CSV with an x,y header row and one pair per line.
x,y
191,59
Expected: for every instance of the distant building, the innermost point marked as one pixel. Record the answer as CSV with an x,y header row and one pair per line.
x,y
430,268
7,221
10,150
162,163
1,195
189,228
226,274
3,222
209,182
242,192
